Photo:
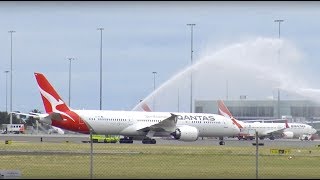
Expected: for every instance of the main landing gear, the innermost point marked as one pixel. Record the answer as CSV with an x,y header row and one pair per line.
x,y
128,140
271,137
221,141
148,141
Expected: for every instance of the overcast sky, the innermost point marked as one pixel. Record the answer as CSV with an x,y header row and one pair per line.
x,y
235,44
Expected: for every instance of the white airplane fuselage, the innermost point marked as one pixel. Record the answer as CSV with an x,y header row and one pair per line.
x,y
126,122
287,130
295,130
180,126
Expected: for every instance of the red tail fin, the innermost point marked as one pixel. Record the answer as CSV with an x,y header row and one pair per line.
x,y
145,107
51,99
223,110
54,105
286,122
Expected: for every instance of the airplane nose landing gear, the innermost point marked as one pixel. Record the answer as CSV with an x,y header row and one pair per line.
x,y
221,141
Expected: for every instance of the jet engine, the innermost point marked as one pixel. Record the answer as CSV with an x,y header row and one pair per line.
x,y
287,135
186,133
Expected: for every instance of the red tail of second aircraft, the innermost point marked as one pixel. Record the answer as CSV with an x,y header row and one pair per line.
x,y
145,107
223,110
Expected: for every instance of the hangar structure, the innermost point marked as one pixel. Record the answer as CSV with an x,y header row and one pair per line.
x,y
304,111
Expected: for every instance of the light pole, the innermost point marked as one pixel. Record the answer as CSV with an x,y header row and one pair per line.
x,y
11,78
227,89
279,21
191,25
6,91
100,29
178,100
70,59
154,88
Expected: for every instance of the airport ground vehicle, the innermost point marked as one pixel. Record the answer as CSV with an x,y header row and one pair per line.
x,y
97,138
13,128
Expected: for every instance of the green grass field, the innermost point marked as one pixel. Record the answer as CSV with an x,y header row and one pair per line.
x,y
38,160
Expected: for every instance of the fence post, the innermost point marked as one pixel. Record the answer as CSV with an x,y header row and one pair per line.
x,y
91,152
257,153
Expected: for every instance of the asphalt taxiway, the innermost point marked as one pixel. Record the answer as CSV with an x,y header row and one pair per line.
x,y
79,138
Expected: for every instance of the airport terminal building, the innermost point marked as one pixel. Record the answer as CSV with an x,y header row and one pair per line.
x,y
303,111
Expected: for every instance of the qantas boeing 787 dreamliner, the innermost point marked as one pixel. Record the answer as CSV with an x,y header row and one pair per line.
x,y
286,130
131,124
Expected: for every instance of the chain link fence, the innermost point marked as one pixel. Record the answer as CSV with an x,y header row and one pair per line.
x,y
66,156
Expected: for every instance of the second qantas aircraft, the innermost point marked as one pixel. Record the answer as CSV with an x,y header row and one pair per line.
x,y
285,130
131,124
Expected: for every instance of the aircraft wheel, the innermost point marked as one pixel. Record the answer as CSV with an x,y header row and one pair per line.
x,y
221,143
271,138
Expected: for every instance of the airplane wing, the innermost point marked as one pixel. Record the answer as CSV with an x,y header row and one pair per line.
x,y
22,114
19,113
275,132
167,125
41,117
30,114
278,131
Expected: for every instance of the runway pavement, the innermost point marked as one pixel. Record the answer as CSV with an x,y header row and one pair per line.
x,y
78,138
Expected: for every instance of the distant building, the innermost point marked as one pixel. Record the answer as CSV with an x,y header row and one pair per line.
x,y
300,110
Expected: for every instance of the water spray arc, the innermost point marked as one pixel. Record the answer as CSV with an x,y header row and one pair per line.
x,y
249,65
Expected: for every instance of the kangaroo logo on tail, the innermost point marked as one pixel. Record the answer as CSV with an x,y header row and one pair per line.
x,y
61,115
51,99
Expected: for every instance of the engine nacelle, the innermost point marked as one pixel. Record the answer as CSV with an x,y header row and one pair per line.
x,y
186,133
287,135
